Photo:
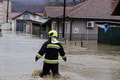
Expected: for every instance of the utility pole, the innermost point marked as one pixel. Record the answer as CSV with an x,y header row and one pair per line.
x,y
7,11
64,11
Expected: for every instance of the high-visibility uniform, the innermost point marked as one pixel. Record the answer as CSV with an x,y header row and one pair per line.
x,y
51,51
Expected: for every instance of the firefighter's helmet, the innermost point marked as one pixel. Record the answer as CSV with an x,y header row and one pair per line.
x,y
52,33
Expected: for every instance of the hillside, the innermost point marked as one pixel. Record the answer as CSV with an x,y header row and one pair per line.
x,y
38,5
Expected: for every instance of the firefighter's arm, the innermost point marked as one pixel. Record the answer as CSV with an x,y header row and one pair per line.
x,y
41,52
62,53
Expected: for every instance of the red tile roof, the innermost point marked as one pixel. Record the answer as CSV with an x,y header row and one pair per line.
x,y
55,12
97,9
13,14
16,15
91,9
76,7
40,14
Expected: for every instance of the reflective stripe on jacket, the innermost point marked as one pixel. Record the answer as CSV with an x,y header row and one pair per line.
x,y
51,51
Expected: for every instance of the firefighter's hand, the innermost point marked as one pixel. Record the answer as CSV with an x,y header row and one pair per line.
x,y
65,59
36,58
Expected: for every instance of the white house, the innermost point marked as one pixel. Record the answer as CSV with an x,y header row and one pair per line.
x,y
27,22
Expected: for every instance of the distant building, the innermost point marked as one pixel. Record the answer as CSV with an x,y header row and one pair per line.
x,y
28,22
3,11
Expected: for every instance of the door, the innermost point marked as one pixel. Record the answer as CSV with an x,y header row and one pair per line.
x,y
115,37
28,27
104,37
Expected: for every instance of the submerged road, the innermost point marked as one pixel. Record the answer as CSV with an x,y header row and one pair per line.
x,y
17,52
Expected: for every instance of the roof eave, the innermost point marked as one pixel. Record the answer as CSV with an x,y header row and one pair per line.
x,y
116,10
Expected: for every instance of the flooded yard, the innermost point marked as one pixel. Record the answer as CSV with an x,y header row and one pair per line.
x,y
91,62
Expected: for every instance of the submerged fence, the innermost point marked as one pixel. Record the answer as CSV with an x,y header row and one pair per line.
x,y
44,34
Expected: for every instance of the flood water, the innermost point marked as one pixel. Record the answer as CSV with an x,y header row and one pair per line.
x,y
17,52
92,62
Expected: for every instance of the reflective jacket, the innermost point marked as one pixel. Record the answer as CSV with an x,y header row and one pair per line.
x,y
51,51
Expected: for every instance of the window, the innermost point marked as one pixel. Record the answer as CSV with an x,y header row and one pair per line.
x,y
26,16
66,27
54,25
40,18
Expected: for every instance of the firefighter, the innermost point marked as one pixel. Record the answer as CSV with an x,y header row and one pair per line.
x,y
51,49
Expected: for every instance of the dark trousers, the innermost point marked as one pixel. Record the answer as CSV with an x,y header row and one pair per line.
x,y
47,67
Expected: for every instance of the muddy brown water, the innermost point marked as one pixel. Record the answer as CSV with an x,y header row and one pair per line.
x,y
91,62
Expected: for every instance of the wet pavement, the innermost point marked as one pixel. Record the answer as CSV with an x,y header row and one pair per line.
x,y
91,62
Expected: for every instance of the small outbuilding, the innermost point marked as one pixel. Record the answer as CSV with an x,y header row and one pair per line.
x,y
29,22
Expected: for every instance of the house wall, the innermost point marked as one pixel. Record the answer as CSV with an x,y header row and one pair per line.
x,y
34,18
28,16
36,29
6,26
59,27
3,10
80,30
23,17
13,24
79,27
67,29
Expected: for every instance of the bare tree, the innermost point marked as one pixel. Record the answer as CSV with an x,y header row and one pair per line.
x,y
74,1
61,2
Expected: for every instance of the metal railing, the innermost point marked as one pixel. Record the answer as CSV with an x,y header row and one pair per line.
x,y
44,34
80,36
